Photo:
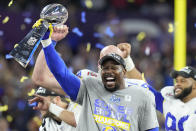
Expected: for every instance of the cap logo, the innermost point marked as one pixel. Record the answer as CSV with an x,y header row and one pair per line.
x,y
186,69
41,91
115,56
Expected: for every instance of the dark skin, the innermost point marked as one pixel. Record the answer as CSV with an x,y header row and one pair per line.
x,y
184,88
112,75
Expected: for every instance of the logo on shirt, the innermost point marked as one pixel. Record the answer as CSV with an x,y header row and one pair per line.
x,y
109,128
112,115
114,99
128,98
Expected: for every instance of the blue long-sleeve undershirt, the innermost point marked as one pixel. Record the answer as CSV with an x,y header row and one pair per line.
x,y
158,99
153,129
68,81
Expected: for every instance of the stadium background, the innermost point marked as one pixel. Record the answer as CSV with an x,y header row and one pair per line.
x,y
147,24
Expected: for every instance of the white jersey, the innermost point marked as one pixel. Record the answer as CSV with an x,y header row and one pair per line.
x,y
179,116
49,124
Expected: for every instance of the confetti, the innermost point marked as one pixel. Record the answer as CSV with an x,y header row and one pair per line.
x,y
15,45
88,47
170,28
97,35
9,118
37,120
88,3
5,20
141,36
28,20
34,104
31,93
10,3
115,21
109,32
23,78
147,51
99,46
23,27
1,33
3,108
71,69
8,56
77,31
83,17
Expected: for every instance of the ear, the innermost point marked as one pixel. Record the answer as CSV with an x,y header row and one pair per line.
x,y
194,84
124,71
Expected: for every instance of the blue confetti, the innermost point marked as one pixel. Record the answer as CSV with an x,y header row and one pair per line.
x,y
115,21
8,56
34,104
28,20
83,17
1,33
98,35
99,46
195,25
109,32
71,69
77,31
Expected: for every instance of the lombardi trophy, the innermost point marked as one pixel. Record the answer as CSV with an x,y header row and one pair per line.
x,y
56,14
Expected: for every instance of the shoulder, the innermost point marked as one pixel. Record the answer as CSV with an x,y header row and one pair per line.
x,y
168,92
85,73
134,82
72,106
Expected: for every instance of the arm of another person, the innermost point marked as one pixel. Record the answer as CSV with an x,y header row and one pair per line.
x,y
132,72
41,73
46,105
68,81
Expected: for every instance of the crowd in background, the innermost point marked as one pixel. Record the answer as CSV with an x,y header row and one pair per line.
x,y
148,26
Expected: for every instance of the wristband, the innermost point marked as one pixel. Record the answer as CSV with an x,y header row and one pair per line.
x,y
56,110
46,42
129,63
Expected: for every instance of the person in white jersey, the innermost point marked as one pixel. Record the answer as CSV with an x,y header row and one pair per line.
x,y
58,113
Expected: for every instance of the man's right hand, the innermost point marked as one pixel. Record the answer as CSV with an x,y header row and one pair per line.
x,y
43,102
59,32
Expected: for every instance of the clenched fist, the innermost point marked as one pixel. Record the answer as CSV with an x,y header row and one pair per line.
x,y
125,48
59,32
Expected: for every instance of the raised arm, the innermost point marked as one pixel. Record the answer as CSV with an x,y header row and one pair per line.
x,y
41,74
132,72
68,81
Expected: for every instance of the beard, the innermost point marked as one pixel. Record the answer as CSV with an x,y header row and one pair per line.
x,y
116,87
184,93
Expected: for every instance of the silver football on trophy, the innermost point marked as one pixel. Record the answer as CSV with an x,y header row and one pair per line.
x,y
56,14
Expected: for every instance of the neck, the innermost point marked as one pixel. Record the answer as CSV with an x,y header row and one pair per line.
x,y
122,86
190,96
